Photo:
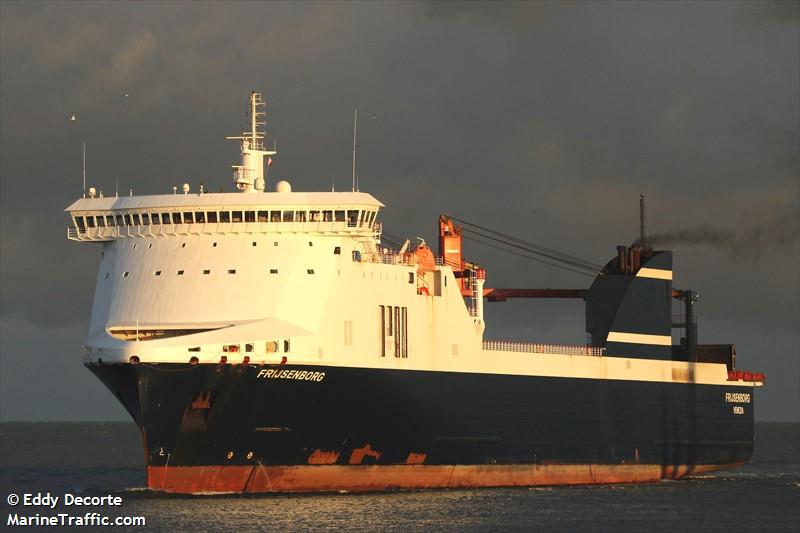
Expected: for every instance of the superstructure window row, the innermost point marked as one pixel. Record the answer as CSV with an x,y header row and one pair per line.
x,y
353,217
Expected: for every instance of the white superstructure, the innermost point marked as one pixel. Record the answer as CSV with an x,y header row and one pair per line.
x,y
266,277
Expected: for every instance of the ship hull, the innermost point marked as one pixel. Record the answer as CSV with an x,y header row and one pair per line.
x,y
292,428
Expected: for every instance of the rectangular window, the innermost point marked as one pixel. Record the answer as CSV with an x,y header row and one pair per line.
x,y
383,331
145,219
157,272
272,346
337,250
286,346
236,216
352,219
211,216
200,217
180,272
188,217
348,332
128,221
405,332
273,270
339,215
274,216
398,332
249,216
299,216
288,216
164,218
101,222
90,222
248,347
389,329
176,218
327,216
411,277
224,217
310,271
79,223
263,216
231,271
155,218
136,221
313,216
109,220
206,272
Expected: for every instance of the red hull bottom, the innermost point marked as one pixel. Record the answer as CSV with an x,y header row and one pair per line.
x,y
359,478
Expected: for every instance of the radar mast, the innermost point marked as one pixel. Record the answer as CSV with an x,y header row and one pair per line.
x,y
249,176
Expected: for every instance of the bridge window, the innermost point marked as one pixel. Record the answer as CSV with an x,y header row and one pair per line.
x,y
224,216
90,222
176,218
101,222
236,216
109,220
327,216
249,216
263,216
288,216
165,218
145,219
79,223
274,216
352,219
211,217
313,216
188,218
155,218
200,217
127,219
339,215
136,221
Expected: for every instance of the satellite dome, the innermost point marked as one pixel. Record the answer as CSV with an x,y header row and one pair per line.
x,y
185,188
259,184
92,192
283,186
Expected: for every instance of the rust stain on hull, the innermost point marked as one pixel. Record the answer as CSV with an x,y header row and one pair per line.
x,y
416,458
320,457
359,478
357,457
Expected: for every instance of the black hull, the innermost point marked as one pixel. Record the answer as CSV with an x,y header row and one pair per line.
x,y
228,416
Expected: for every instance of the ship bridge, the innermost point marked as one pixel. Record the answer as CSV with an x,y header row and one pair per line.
x,y
321,213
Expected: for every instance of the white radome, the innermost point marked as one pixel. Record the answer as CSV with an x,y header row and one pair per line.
x,y
283,186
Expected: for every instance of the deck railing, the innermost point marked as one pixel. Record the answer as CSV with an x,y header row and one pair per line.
x,y
560,349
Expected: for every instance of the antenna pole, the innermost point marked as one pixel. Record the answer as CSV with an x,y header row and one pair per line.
x,y
84,169
355,129
642,219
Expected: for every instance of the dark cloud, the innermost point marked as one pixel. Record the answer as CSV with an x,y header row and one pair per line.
x,y
542,120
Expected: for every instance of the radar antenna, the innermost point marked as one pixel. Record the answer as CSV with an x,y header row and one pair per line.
x,y
249,176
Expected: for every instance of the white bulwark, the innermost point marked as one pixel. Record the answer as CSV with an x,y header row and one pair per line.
x,y
303,277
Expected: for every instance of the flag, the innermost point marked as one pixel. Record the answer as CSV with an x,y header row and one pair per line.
x,y
269,161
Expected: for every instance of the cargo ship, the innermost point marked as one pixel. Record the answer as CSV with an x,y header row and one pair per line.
x,y
273,341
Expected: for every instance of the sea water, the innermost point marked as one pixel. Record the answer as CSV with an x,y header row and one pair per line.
x,y
106,459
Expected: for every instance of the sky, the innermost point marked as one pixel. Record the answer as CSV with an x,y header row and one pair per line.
x,y
542,120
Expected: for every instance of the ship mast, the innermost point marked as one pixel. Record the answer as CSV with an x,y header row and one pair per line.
x,y
249,176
